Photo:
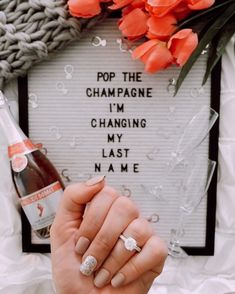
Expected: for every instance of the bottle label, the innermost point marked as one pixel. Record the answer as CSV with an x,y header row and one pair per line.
x,y
40,207
19,162
23,147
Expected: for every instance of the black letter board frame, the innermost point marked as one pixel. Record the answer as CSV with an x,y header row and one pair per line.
x,y
208,249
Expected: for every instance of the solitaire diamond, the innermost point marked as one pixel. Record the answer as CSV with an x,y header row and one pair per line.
x,y
130,244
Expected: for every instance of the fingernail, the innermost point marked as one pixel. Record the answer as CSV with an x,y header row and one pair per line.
x,y
118,280
88,265
102,278
95,180
82,245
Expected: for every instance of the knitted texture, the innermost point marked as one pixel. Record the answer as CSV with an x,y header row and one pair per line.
x,y
30,30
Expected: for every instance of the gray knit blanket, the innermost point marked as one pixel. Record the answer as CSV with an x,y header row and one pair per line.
x,y
31,30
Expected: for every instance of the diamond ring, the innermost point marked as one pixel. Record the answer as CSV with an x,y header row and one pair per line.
x,y
130,243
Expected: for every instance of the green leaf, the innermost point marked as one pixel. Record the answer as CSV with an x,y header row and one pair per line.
x,y
203,14
205,40
203,24
218,48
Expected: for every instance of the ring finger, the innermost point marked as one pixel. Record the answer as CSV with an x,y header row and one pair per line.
x,y
145,265
140,230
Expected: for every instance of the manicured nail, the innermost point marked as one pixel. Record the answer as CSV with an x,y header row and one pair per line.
x,y
95,180
102,278
118,280
82,245
88,265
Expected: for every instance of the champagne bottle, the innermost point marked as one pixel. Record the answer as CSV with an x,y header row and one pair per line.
x,y
36,180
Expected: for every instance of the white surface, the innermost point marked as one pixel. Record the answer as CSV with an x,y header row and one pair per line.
x,y
31,273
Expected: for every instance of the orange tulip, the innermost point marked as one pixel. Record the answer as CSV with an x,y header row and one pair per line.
x,y
161,27
134,24
182,44
154,54
120,3
85,9
161,7
199,4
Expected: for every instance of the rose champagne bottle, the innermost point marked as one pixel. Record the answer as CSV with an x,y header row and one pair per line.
x,y
36,180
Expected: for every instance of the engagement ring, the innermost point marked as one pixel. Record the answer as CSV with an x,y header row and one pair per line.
x,y
130,243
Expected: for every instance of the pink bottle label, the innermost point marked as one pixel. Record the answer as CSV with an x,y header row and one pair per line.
x,y
23,147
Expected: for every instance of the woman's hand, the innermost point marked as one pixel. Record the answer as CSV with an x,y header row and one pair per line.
x,y
88,256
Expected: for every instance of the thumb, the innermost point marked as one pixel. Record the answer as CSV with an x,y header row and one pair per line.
x,y
73,202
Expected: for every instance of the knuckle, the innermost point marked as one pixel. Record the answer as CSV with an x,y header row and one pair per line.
x,y
125,205
69,190
141,228
135,268
113,262
110,191
92,228
102,242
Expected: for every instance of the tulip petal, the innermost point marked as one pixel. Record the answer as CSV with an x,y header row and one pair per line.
x,y
138,3
120,3
161,27
161,2
132,28
181,11
200,4
154,54
85,9
143,48
160,7
134,4
182,44
157,59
